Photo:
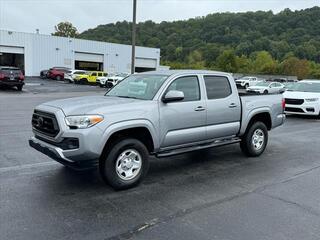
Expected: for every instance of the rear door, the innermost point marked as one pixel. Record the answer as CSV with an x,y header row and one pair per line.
x,y
223,107
183,122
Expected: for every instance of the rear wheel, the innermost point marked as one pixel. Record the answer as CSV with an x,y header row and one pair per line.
x,y
83,81
19,88
255,140
246,85
265,92
125,165
58,78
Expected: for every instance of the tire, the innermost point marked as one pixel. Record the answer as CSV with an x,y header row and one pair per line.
x,y
58,78
100,85
83,81
119,177
248,145
19,88
265,92
246,85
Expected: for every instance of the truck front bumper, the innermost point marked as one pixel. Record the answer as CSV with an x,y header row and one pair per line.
x,y
59,155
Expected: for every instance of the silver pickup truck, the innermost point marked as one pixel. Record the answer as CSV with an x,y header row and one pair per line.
x,y
154,113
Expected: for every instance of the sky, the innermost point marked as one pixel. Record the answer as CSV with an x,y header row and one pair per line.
x,y
29,15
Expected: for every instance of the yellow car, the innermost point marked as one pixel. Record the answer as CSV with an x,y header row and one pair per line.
x,y
89,77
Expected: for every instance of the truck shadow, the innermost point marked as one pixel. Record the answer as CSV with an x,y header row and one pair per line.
x,y
164,171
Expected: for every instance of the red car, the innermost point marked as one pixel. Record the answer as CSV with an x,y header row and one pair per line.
x,y
57,73
12,77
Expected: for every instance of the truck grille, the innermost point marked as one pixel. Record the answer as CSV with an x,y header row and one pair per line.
x,y
45,123
294,101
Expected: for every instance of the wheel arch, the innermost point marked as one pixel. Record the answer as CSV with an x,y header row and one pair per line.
x,y
262,115
142,130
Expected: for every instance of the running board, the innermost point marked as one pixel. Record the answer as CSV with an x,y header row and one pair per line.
x,y
216,143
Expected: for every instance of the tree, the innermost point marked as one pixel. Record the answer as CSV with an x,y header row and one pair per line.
x,y
227,61
65,29
296,67
264,63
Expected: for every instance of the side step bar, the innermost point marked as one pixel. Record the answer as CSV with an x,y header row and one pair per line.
x,y
216,143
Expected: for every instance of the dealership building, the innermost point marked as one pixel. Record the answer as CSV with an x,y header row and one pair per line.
x,y
35,52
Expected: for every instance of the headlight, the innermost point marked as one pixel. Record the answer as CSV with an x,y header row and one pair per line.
x,y
84,121
312,99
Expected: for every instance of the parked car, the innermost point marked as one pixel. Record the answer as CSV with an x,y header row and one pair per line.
x,y
11,77
160,113
72,74
115,79
111,80
303,98
57,73
267,87
279,80
89,77
247,81
44,74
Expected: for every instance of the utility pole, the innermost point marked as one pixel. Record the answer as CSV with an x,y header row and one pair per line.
x,y
133,56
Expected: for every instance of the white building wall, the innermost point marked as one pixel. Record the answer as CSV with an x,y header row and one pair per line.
x,y
45,51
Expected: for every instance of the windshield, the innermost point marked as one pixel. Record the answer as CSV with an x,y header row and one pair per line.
x,y
142,86
263,84
305,87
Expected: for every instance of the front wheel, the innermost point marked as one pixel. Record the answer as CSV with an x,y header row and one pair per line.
x,y
265,92
255,140
58,78
125,165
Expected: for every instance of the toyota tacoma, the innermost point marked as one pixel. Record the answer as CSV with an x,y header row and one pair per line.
x,y
160,113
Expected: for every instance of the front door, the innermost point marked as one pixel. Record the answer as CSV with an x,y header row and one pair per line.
x,y
183,122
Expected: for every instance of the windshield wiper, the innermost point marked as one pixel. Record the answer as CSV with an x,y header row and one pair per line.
x,y
126,97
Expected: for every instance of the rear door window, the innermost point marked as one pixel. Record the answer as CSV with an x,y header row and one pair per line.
x,y
217,87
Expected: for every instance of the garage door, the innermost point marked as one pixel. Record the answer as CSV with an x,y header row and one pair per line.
x,y
146,63
8,49
88,57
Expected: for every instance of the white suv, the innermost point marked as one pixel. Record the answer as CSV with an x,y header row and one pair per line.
x,y
71,74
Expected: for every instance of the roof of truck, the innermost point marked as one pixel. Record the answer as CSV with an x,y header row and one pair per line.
x,y
174,72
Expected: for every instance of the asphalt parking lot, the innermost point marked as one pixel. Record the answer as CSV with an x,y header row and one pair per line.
x,y
212,194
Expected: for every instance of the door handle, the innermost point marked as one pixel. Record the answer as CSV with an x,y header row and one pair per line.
x,y
200,108
232,105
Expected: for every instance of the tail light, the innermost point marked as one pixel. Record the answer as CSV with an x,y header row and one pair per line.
x,y
21,77
283,103
1,76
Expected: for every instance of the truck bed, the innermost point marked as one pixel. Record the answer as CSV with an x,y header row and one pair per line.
x,y
253,102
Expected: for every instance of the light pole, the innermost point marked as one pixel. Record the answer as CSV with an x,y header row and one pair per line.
x,y
133,55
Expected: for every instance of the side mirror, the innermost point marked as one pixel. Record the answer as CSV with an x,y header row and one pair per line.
x,y
173,96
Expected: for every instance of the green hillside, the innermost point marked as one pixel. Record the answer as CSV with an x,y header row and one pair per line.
x,y
237,42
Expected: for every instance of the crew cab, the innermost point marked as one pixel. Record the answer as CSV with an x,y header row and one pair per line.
x,y
160,113
89,77
11,77
303,98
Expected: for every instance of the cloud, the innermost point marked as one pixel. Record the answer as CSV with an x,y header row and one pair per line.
x,y
28,15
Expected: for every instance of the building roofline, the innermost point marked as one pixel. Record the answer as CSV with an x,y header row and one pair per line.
x,y
68,38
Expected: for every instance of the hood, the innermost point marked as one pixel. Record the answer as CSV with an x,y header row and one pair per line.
x,y
91,104
300,95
